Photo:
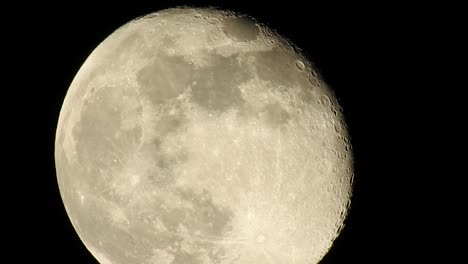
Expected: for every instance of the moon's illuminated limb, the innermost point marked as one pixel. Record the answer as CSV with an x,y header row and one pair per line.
x,y
200,136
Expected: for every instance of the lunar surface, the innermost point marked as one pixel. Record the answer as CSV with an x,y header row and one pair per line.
x,y
199,136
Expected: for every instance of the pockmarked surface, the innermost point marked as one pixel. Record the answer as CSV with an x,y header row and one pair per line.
x,y
198,136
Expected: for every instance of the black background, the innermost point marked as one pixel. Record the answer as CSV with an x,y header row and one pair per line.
x,y
363,52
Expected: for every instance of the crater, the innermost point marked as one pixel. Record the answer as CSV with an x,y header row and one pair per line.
x,y
280,67
241,28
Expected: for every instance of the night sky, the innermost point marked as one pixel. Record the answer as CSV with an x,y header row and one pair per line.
x,y
360,51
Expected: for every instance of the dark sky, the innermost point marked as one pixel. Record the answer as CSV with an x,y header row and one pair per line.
x,y
361,51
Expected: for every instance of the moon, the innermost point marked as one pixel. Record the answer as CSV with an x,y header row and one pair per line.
x,y
198,136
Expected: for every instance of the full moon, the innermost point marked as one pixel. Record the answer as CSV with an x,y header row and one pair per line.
x,y
199,136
